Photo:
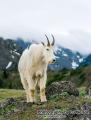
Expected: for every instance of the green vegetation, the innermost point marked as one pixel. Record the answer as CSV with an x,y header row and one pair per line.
x,y
10,79
80,76
82,91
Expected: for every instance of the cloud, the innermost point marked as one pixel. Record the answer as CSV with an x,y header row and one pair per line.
x,y
34,18
76,41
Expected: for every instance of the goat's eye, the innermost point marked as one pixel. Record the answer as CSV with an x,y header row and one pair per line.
x,y
47,49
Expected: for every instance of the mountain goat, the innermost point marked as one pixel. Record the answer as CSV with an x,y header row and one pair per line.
x,y
32,68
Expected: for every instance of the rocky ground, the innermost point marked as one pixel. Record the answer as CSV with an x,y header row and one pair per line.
x,y
61,105
65,107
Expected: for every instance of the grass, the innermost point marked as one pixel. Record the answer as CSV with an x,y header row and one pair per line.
x,y
10,93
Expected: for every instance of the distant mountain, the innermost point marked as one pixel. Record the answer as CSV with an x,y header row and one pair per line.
x,y
11,50
65,58
22,43
87,60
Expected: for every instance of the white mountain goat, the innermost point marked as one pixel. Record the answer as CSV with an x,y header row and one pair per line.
x,y
33,68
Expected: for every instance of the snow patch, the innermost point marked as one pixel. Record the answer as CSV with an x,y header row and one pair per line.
x,y
81,60
11,51
74,64
15,50
64,54
16,53
12,56
57,57
9,65
78,56
57,50
14,44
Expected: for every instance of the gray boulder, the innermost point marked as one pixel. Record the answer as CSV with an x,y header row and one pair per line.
x,y
62,86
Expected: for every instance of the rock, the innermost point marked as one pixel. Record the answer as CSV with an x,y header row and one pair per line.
x,y
84,113
11,100
62,86
7,102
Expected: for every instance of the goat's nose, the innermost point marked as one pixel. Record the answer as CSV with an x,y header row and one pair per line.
x,y
54,60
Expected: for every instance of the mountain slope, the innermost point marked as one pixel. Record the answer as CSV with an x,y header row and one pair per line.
x,y
9,54
20,42
87,60
12,50
65,58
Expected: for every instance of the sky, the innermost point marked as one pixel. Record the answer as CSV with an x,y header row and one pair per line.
x,y
68,20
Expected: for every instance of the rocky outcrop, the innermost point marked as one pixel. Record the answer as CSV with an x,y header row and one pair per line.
x,y
62,86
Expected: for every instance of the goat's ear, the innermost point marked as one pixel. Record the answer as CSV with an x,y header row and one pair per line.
x,y
42,43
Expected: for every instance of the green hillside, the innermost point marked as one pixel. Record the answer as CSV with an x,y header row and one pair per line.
x,y
81,77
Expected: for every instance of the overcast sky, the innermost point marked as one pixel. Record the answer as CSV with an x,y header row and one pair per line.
x,y
68,20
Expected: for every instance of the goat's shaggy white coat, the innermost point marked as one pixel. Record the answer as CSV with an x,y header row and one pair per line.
x,y
33,69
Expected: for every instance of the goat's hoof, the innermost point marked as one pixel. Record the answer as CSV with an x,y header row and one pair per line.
x,y
31,102
43,101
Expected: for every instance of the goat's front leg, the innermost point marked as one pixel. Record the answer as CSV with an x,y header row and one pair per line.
x,y
31,90
42,89
27,95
